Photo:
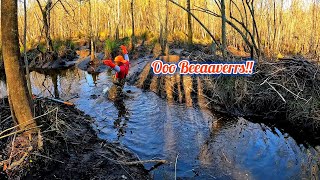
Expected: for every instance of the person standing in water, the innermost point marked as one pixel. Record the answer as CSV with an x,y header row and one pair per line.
x,y
121,66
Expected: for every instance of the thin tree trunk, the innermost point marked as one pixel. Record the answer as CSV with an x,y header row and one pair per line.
x,y
46,20
25,49
190,35
280,27
223,28
314,28
132,25
275,26
165,42
118,23
16,80
92,55
246,16
79,19
201,24
46,23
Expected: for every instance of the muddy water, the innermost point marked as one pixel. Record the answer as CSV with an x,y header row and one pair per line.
x,y
197,143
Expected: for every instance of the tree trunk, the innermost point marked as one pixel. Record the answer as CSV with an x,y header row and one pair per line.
x,y
25,49
92,55
314,28
190,35
46,23
201,24
223,28
16,80
132,25
253,32
165,48
275,27
118,23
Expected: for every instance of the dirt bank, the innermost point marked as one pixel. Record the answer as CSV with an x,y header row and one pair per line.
x,y
71,148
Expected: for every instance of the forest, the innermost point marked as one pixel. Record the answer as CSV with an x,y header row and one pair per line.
x,y
80,97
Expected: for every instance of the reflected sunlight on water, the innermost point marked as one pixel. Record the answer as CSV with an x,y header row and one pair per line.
x,y
208,146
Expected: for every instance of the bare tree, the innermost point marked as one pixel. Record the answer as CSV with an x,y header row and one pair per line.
x,y
92,55
252,44
313,43
19,100
165,40
201,24
118,21
223,28
46,19
46,22
255,33
132,25
190,34
25,48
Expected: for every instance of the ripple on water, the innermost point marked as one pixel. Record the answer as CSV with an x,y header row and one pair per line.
x,y
208,147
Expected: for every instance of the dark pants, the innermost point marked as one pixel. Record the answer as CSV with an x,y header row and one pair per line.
x,y
116,90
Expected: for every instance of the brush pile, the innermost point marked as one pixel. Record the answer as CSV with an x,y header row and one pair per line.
x,y
287,91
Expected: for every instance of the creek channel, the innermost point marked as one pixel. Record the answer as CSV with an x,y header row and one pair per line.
x,y
197,143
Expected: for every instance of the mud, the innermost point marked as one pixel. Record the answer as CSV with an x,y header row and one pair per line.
x,y
39,60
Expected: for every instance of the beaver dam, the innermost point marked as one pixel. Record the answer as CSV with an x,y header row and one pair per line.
x,y
286,93
174,118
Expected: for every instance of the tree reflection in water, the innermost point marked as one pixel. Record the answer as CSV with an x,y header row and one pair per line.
x,y
123,117
3,86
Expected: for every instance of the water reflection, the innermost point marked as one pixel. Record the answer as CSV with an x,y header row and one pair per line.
x,y
143,80
188,87
174,88
241,149
123,117
94,78
208,146
54,78
3,89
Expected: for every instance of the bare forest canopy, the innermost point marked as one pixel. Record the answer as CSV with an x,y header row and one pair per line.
x,y
286,27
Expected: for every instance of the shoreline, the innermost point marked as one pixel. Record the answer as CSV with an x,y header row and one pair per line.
x,y
71,148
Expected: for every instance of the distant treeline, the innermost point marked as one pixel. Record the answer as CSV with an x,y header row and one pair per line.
x,y
287,27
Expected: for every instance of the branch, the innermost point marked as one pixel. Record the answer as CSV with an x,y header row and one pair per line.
x,y
236,28
64,8
251,9
40,5
135,162
232,25
247,31
232,2
245,12
203,26
218,5
53,5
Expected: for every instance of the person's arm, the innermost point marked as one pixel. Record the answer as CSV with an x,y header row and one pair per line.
x,y
125,52
112,65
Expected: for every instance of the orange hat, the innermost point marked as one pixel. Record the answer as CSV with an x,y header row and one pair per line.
x,y
119,59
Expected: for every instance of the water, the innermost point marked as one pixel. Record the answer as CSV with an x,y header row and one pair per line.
x,y
205,146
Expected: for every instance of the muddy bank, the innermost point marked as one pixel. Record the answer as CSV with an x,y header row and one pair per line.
x,y
71,148
284,93
95,66
62,58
